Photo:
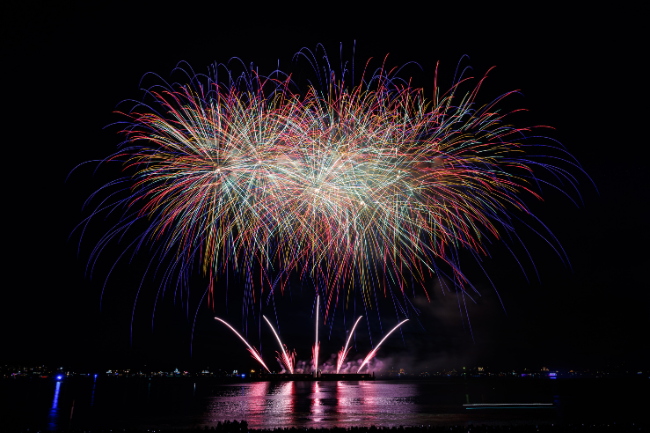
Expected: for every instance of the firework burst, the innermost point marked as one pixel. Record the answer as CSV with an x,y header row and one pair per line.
x,y
350,185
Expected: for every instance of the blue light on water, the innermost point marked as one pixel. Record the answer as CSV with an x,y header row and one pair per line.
x,y
53,416
59,377
92,397
55,400
243,375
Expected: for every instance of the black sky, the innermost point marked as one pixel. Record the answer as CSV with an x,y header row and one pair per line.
x,y
66,66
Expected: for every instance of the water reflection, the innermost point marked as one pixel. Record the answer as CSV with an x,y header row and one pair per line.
x,y
313,404
92,396
53,416
258,402
374,403
304,404
316,410
285,401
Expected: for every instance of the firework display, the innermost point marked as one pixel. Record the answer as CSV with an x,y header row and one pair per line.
x,y
254,353
344,352
287,360
373,352
355,184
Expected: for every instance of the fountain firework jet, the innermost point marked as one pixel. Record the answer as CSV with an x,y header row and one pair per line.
x,y
315,349
343,353
373,352
284,359
251,349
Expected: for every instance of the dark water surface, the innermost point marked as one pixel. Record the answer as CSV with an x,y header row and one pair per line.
x,y
113,403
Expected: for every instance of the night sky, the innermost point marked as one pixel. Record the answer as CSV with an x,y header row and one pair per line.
x,y
66,66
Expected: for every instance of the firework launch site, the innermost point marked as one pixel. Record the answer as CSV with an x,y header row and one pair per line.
x,y
319,377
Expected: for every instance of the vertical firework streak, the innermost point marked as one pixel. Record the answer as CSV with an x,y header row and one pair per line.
x,y
252,350
373,352
284,359
343,353
316,346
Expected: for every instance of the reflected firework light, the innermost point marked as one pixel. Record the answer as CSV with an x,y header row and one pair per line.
x,y
373,352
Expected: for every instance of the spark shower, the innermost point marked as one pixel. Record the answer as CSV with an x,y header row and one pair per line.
x,y
288,361
356,181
